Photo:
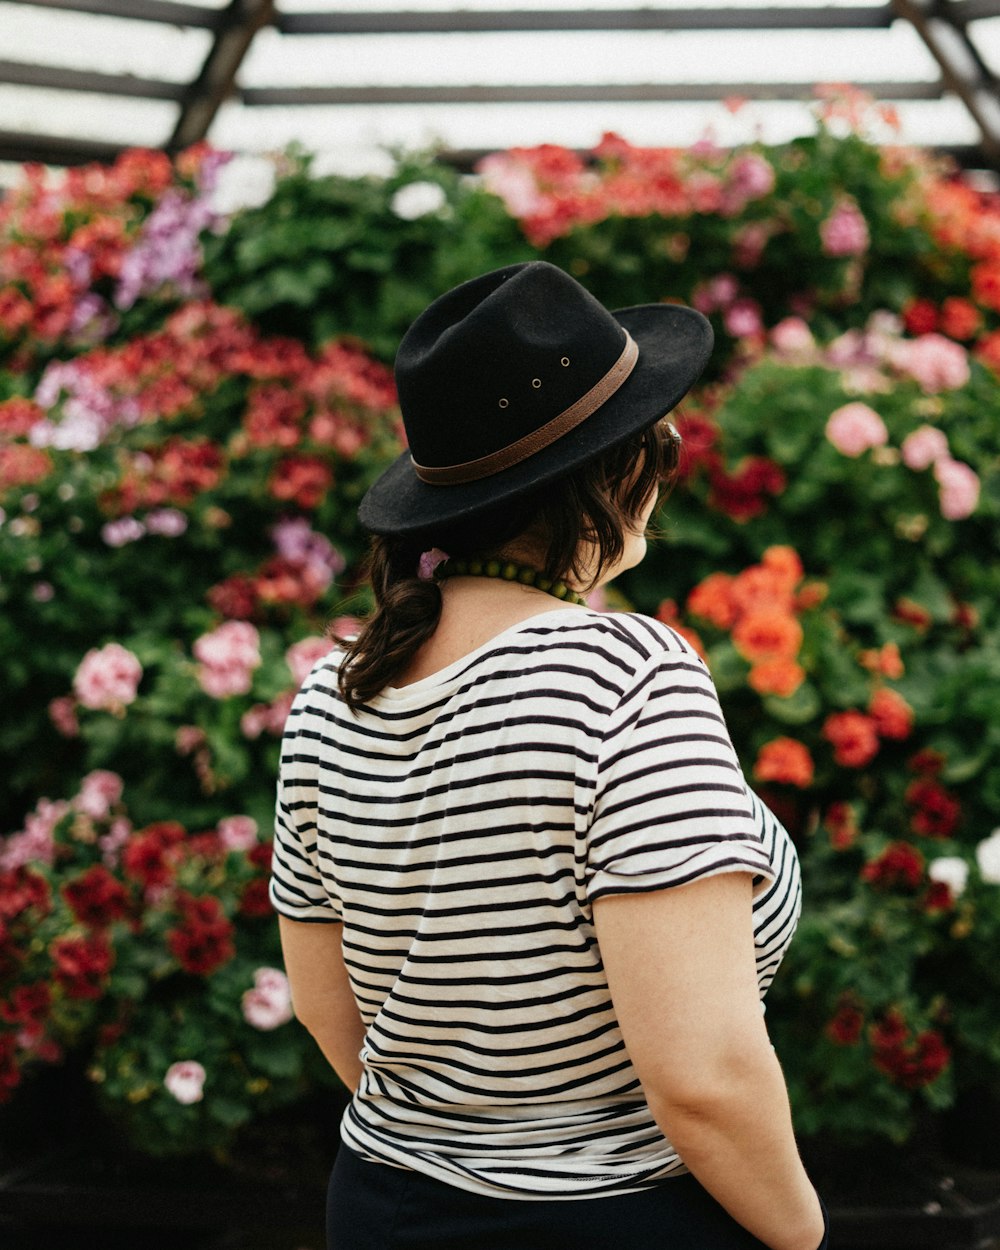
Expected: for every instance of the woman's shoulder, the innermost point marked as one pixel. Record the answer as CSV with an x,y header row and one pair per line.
x,y
644,637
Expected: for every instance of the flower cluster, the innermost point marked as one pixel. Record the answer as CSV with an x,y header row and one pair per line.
x,y
99,902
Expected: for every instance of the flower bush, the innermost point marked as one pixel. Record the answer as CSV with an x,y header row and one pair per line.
x,y
189,414
154,950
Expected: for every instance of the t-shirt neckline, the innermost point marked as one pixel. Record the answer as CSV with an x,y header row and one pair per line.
x,y
453,670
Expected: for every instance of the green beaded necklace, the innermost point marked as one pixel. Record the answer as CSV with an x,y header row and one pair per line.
x,y
508,571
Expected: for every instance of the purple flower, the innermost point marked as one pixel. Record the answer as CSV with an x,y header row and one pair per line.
x,y
168,250
125,530
167,522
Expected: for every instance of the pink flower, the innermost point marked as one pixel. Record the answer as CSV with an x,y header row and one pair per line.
x,y
185,1080
718,292
62,713
923,447
167,522
237,833
125,530
228,657
742,318
792,336
301,656
937,363
269,1004
854,428
99,791
35,843
112,842
512,181
750,178
107,679
845,231
959,488
254,720
749,243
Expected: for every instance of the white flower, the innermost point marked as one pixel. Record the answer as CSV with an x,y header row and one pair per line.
x,y
988,858
951,871
417,199
185,1081
269,1004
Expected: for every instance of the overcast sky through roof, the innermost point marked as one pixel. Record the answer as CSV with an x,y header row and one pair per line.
x,y
352,138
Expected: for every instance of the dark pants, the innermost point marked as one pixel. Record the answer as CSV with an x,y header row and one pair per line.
x,y
375,1207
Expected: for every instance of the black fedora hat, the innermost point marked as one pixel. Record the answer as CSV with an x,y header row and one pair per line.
x,y
516,378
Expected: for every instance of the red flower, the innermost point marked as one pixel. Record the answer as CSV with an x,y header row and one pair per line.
x,y
938,897
912,613
203,941
255,902
960,319
22,889
82,964
909,1063
21,465
784,760
920,316
892,715
841,825
96,897
10,1073
740,495
260,856
18,415
699,435
303,480
938,812
235,598
927,762
900,866
853,737
152,854
28,1004
845,1027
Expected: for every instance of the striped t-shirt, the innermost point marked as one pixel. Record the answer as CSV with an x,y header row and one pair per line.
x,y
461,828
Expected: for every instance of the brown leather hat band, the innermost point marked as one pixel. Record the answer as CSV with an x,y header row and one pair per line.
x,y
568,419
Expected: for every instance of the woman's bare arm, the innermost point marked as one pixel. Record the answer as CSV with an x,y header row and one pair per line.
x,y
680,965
321,993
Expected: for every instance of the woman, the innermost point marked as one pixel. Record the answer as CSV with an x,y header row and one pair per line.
x,y
528,905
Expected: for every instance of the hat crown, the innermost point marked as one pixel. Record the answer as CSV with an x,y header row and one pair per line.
x,y
499,357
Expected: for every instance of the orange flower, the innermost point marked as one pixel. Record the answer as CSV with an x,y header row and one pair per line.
x,y
986,284
885,660
711,599
784,760
960,319
780,676
811,596
761,586
891,713
785,562
767,635
853,736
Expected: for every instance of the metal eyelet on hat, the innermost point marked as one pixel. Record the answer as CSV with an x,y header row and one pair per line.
x,y
536,383
504,403
564,362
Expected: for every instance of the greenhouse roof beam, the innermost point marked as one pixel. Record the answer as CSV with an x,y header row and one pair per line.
x,y
56,149
22,75
766,17
162,11
216,81
962,69
571,93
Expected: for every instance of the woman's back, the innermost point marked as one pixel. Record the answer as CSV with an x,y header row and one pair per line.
x,y
462,825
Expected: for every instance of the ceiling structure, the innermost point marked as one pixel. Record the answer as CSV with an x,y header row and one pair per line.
x,y
81,80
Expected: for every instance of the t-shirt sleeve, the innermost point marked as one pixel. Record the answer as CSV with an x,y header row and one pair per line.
x,y
671,802
300,888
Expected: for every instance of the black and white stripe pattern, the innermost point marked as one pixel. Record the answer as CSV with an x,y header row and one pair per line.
x,y
461,828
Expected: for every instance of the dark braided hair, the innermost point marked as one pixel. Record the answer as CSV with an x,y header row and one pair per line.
x,y
596,504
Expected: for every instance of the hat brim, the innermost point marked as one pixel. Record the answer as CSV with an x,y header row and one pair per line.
x,y
674,344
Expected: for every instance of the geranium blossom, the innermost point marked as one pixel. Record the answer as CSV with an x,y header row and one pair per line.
x,y
228,658
959,488
950,870
855,428
301,656
921,448
854,738
268,1005
935,362
237,833
99,791
784,760
107,678
185,1080
845,231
